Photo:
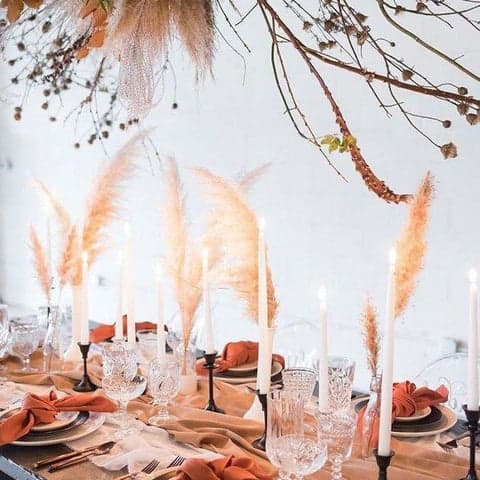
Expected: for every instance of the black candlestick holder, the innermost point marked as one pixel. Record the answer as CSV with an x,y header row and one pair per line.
x,y
210,366
383,462
259,444
85,384
473,417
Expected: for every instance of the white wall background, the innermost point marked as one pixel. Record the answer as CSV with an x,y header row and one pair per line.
x,y
319,228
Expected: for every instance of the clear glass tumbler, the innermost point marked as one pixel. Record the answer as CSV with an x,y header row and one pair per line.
x,y
295,450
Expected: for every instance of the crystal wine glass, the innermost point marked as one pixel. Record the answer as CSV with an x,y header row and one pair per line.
x,y
119,359
289,447
4,334
123,389
341,372
24,342
337,430
164,384
301,380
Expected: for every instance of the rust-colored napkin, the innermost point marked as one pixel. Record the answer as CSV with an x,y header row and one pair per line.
x,y
236,354
43,409
106,332
406,399
226,468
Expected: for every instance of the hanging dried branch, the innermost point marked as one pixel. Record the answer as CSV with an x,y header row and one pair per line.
x,y
411,245
234,222
41,265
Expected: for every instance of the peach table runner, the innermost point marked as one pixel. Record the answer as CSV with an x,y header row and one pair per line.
x,y
232,435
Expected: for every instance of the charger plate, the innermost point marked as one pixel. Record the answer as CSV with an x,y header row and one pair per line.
x,y
439,420
236,379
93,423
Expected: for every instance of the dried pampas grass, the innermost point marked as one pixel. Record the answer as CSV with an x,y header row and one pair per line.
x,y
411,245
69,266
234,222
140,32
183,259
371,338
103,204
41,265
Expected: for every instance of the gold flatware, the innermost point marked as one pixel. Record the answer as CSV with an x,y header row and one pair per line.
x,y
149,468
66,456
80,458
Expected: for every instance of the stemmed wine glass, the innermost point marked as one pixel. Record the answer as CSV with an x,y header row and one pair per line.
x,y
289,447
123,390
164,384
4,334
121,382
337,430
24,342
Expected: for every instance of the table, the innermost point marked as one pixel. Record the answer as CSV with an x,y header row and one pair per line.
x,y
230,434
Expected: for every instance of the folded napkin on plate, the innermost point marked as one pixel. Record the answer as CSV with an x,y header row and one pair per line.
x,y
226,468
236,354
106,332
44,408
406,400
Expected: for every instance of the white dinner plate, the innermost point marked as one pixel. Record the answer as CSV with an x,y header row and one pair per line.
x,y
276,369
246,367
93,423
418,415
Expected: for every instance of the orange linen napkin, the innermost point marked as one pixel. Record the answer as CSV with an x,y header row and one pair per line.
x,y
226,468
105,332
236,354
405,401
43,409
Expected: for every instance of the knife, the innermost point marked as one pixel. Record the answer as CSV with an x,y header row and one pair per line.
x,y
66,456
105,448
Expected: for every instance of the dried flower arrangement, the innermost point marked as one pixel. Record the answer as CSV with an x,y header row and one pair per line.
x,y
52,37
411,248
233,221
183,259
41,264
103,206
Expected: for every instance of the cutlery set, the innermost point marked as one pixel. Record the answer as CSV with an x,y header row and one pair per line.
x,y
59,462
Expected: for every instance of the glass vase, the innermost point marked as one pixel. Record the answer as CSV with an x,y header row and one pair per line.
x,y
186,357
371,417
53,343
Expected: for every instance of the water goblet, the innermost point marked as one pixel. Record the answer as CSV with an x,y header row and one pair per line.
x,y
337,430
119,359
301,380
24,342
288,446
341,372
147,340
4,335
164,384
124,389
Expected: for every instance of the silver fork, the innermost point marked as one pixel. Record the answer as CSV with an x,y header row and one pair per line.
x,y
177,461
149,468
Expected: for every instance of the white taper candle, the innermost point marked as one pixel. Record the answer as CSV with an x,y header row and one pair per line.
x,y
323,390
129,281
85,331
160,311
207,315
472,389
385,432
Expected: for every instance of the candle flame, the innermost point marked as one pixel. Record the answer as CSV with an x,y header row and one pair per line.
x,y
392,256
322,294
472,275
205,253
158,269
261,224
85,257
